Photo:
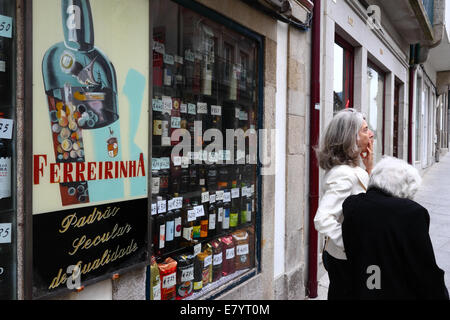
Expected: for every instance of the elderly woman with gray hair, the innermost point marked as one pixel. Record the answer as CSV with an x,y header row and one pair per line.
x,y
347,141
386,238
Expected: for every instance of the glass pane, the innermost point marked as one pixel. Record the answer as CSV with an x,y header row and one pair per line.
x,y
342,78
338,78
204,153
375,87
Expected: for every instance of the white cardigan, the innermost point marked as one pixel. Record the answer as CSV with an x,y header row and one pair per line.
x,y
338,183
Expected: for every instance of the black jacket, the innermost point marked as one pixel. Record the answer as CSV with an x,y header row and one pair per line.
x,y
389,249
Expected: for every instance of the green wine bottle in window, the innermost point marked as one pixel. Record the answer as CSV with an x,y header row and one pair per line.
x,y
81,88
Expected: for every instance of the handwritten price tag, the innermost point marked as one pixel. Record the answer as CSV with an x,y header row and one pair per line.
x,y
202,107
170,205
219,195
5,26
191,215
6,127
5,232
164,163
199,211
216,110
227,197
205,197
161,206
197,249
175,122
178,202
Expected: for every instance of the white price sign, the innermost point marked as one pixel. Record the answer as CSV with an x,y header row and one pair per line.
x,y
205,197
6,26
175,122
6,127
216,110
199,211
202,107
191,215
5,232
169,280
197,249
170,205
154,209
161,206
219,195
178,202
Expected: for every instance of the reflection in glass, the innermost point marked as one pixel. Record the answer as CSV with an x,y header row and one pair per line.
x,y
342,78
375,87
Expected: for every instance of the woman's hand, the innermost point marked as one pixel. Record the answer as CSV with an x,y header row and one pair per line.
x,y
367,157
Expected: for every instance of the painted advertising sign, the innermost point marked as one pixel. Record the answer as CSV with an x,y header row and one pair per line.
x,y
90,138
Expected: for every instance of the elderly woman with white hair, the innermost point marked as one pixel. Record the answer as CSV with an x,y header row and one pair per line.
x,y
386,238
347,141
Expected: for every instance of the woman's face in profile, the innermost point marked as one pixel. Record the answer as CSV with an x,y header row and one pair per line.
x,y
365,136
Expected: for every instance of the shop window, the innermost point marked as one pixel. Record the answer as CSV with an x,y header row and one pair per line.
x,y
7,152
204,169
375,117
343,75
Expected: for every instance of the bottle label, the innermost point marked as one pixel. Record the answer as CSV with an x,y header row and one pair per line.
x,y
196,232
212,221
5,178
177,232
187,233
220,214
233,219
249,211
155,185
157,291
198,285
157,127
170,225
162,235
226,219
203,228
243,216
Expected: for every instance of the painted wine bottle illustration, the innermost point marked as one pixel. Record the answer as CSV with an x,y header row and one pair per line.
x,y
81,88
